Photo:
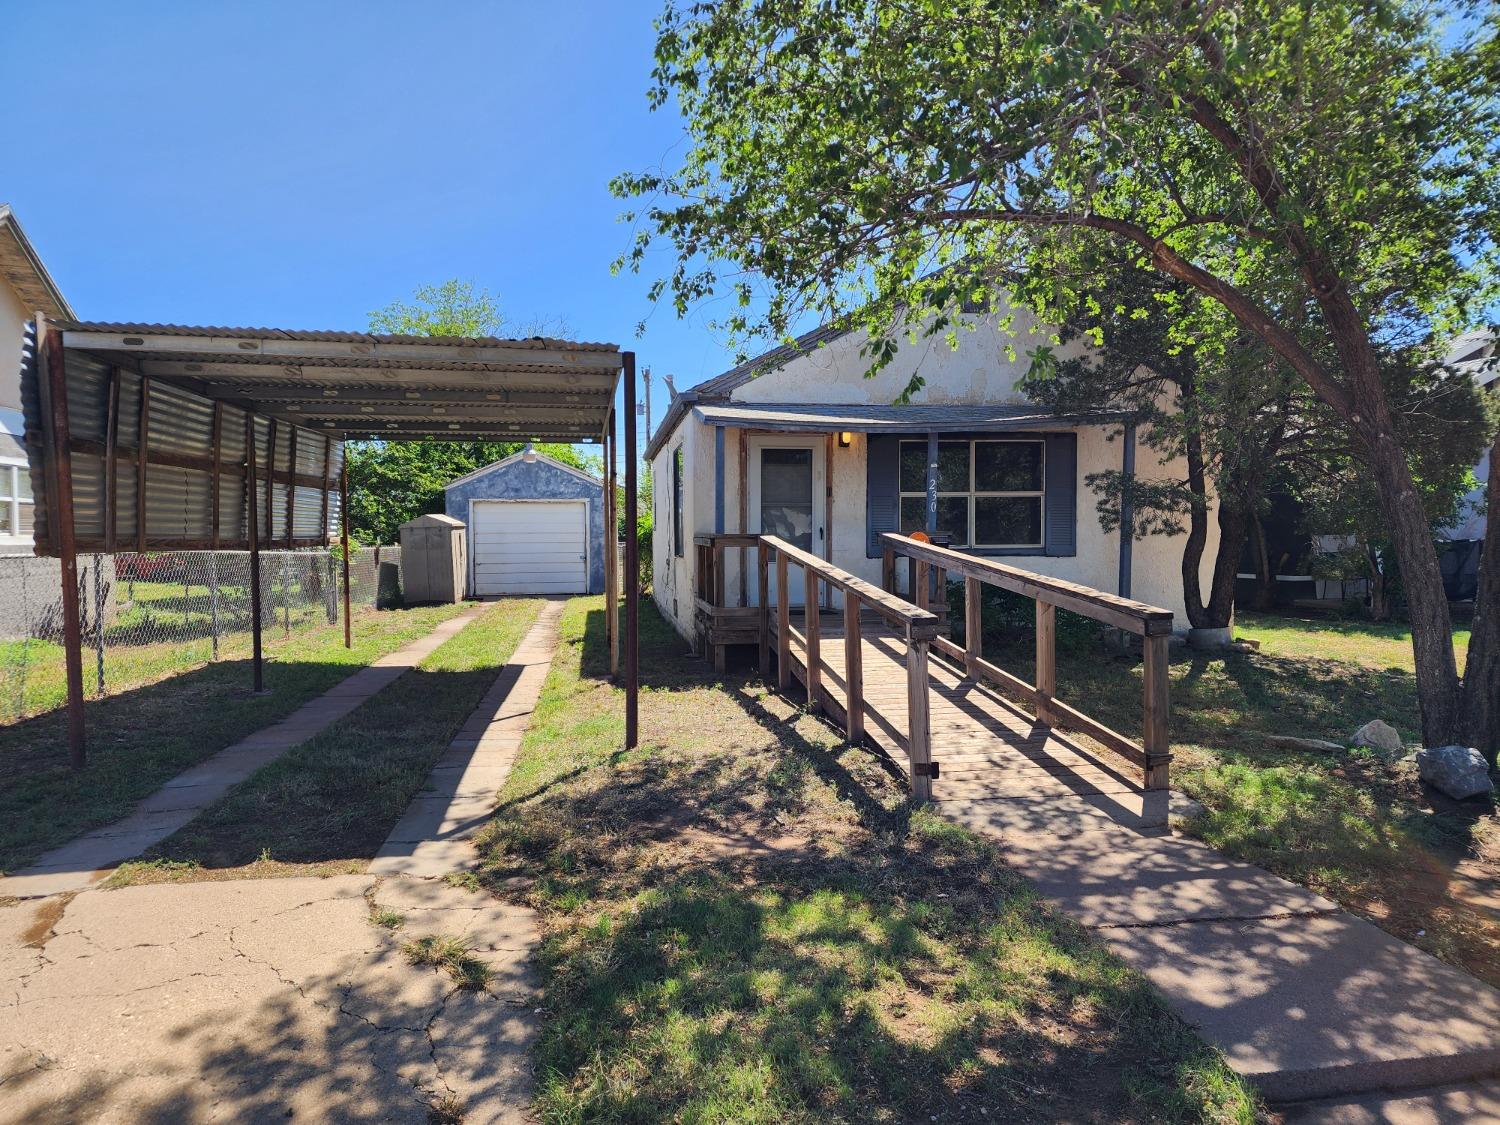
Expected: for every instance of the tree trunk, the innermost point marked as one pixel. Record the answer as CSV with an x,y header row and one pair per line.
x,y
1380,603
1481,690
1234,527
1197,537
1426,600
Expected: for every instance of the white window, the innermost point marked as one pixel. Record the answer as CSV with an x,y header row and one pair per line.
x,y
989,492
16,503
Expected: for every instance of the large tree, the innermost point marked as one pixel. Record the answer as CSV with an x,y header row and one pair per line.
x,y
1335,158
391,482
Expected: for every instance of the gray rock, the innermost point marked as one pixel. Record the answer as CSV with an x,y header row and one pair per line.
x,y
1379,735
1183,807
1311,745
1459,771
1210,640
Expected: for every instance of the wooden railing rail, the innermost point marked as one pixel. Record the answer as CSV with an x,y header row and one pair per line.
x,y
722,618
918,627
1151,623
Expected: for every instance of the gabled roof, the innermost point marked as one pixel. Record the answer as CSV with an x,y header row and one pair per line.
x,y
484,470
805,344
22,269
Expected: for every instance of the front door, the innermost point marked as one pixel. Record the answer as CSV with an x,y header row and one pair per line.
x,y
787,496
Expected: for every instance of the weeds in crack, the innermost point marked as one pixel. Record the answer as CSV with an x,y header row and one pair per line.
x,y
454,956
447,1110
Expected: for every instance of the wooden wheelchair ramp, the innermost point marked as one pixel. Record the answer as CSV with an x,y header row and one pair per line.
x,y
1028,774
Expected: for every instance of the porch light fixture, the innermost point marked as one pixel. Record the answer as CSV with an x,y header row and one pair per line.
x,y
846,439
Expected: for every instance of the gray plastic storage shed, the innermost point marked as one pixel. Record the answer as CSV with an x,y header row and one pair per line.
x,y
432,560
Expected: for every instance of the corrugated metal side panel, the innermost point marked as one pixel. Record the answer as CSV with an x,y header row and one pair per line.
x,y
125,489
232,508
262,451
88,397
179,422
310,446
232,441
278,512
334,515
88,495
130,410
308,516
176,503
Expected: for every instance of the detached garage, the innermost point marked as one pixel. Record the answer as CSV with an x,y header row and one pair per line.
x,y
535,526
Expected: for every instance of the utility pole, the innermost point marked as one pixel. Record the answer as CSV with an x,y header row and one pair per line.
x,y
646,380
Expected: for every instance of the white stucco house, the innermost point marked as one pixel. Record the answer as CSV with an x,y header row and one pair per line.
x,y
25,289
800,443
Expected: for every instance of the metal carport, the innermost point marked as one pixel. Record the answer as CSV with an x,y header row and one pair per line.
x,y
170,437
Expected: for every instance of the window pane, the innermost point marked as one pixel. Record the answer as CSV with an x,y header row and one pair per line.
x,y
1007,521
913,514
953,466
913,466
786,499
953,519
23,483
1008,466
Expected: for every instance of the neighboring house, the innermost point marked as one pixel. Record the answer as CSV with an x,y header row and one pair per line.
x,y
25,289
800,443
1474,353
535,526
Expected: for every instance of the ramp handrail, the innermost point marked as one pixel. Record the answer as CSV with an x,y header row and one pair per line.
x,y
916,625
1151,623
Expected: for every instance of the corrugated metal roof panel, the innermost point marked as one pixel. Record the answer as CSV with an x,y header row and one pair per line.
x,y
145,329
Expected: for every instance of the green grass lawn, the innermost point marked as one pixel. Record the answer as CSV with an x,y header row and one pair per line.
x,y
140,738
1366,643
330,803
744,920
161,630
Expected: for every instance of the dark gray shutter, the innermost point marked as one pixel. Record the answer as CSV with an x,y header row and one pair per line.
x,y
1060,503
882,490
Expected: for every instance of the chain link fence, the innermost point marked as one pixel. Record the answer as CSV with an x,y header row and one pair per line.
x,y
147,616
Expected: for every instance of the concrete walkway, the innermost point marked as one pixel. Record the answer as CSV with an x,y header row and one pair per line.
x,y
1304,999
266,1000
432,838
77,864
283,999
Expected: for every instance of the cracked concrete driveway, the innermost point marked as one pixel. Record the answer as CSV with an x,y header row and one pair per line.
x,y
261,1000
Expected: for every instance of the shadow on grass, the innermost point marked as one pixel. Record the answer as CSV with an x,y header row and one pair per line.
x,y
140,738
747,921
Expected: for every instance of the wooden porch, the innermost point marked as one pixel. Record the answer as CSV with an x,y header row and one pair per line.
x,y
963,729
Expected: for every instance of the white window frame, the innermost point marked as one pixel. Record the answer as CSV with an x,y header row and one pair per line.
x,y
1039,494
10,498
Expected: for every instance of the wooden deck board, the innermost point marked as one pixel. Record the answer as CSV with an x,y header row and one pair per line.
x,y
986,747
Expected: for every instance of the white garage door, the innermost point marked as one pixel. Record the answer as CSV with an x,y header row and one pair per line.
x,y
529,547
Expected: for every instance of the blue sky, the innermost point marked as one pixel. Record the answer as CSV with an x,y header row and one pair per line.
x,y
300,164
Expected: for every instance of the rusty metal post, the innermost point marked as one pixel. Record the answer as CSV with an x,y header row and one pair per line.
x,y
632,565
611,548
344,543
60,529
252,523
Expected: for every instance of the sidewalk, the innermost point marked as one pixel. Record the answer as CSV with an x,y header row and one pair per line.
x,y
77,864
1305,1000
